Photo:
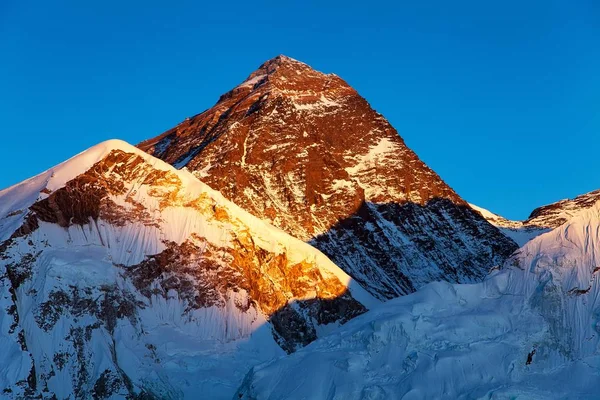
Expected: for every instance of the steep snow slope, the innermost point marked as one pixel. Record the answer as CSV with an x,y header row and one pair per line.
x,y
519,231
530,331
304,151
121,276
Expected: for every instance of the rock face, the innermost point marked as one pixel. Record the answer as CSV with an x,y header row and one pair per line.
x,y
304,151
121,277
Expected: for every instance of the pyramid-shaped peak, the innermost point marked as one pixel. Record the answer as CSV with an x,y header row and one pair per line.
x,y
305,151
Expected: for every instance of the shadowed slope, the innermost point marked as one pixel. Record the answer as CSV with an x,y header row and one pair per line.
x,y
531,330
393,249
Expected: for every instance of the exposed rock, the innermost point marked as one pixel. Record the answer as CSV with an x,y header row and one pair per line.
x,y
205,276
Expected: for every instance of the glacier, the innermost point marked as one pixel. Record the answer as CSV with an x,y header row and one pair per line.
x,y
529,331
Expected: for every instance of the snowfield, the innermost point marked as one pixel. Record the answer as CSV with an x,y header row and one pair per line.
x,y
529,331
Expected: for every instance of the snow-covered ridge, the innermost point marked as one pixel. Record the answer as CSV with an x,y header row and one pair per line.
x,y
548,216
116,267
496,219
22,195
519,231
542,219
555,214
58,175
17,198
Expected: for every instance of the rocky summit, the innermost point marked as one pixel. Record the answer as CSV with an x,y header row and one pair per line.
x,y
304,151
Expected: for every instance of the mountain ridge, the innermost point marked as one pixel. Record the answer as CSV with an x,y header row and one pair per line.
x,y
530,330
115,268
542,219
126,276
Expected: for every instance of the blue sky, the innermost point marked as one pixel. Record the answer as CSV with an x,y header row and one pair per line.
x,y
502,100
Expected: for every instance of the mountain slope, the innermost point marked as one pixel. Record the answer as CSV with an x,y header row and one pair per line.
x,y
304,151
123,277
531,331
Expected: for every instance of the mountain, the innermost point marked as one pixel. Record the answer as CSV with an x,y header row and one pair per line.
x,y
304,151
122,277
531,330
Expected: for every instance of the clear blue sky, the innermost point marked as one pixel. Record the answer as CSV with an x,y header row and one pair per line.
x,y
503,100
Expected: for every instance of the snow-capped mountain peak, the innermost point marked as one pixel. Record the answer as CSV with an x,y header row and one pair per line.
x,y
304,151
118,269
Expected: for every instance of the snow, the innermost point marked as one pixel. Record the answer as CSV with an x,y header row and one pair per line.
x,y
338,184
178,352
556,213
531,330
22,195
385,151
243,161
488,214
444,341
56,177
523,235
376,153
322,102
